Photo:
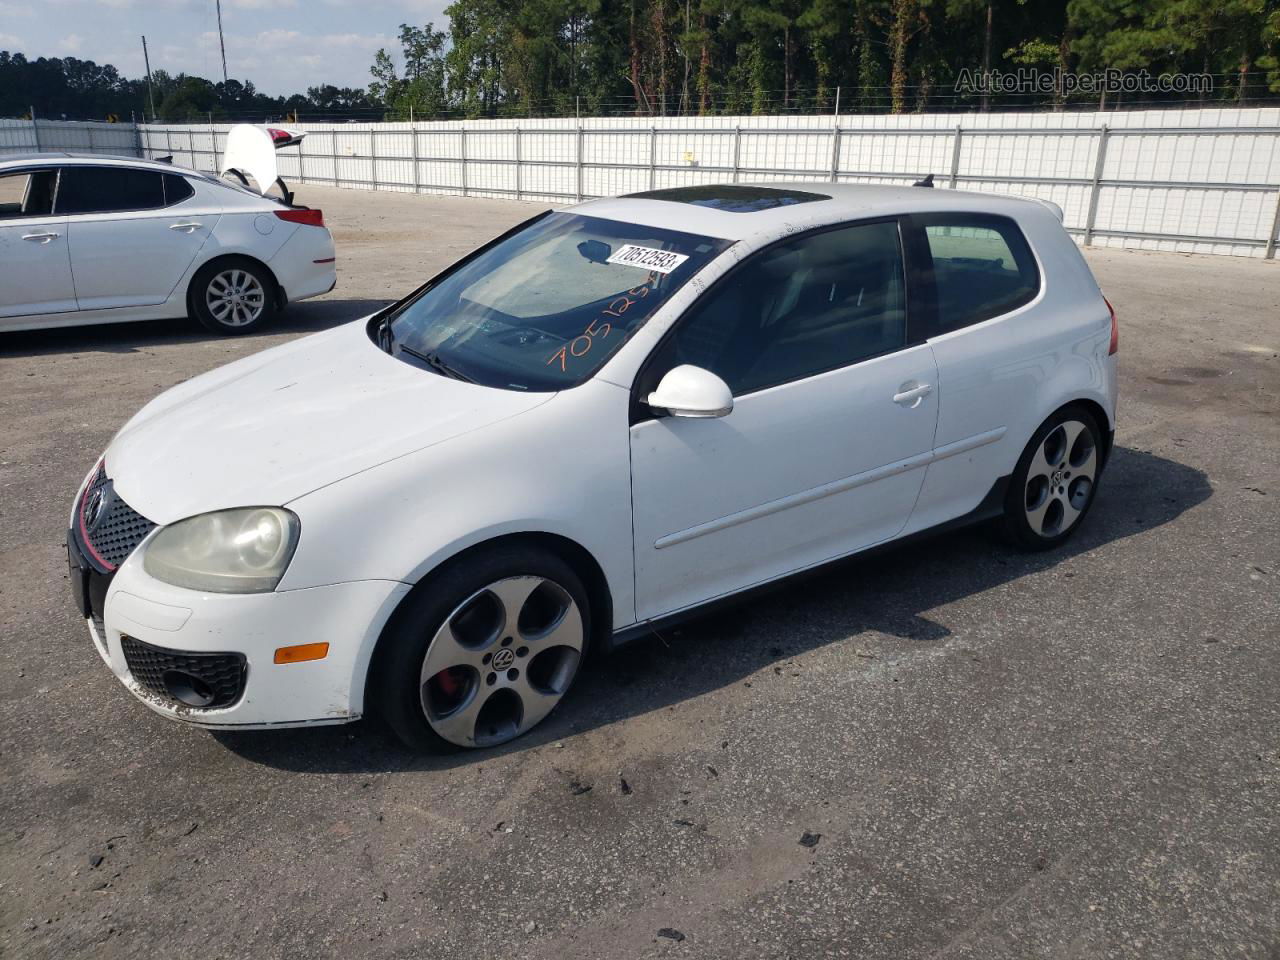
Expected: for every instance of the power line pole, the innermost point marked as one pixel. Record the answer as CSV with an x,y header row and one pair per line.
x,y
150,92
222,43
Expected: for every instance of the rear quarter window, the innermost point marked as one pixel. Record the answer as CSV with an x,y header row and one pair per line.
x,y
176,189
982,267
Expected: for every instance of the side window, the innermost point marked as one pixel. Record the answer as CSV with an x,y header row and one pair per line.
x,y
982,267
796,309
109,190
176,189
27,194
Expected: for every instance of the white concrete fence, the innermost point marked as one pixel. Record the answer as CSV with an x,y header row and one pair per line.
x,y
1196,181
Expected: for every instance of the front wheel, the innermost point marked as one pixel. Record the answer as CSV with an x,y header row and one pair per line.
x,y
1054,483
233,296
484,652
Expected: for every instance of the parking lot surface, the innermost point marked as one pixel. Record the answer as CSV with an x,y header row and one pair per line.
x,y
950,750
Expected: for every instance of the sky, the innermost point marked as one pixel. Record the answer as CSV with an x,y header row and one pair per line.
x,y
283,46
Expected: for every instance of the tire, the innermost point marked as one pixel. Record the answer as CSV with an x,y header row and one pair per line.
x,y
233,296
482,652
1054,483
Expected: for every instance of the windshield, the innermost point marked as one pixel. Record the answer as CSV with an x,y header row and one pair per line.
x,y
544,308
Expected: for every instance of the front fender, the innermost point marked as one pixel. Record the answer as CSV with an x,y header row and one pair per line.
x,y
561,468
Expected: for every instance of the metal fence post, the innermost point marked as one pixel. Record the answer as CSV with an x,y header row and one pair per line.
x,y
737,151
462,151
137,135
519,196
333,140
302,167
213,145
413,138
1098,163
835,151
955,156
653,157
579,159
35,128
373,157
1270,252
191,147
89,130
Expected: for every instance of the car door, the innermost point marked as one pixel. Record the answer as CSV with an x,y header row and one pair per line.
x,y
979,277
134,232
832,424
35,265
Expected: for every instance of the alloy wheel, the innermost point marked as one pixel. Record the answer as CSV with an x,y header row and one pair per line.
x,y
1060,479
501,661
235,298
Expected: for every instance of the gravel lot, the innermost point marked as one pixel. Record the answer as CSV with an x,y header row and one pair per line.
x,y
1001,756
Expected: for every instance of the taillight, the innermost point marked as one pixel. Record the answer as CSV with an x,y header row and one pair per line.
x,y
1115,329
312,218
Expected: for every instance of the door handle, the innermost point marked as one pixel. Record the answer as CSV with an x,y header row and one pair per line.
x,y
40,237
911,396
185,227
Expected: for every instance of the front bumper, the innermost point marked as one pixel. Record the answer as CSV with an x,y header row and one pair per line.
x,y
177,622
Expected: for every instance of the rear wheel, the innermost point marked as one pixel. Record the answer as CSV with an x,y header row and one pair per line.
x,y
233,296
485,652
1054,482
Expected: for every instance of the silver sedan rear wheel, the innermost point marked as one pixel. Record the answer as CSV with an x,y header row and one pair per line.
x,y
501,661
235,298
1060,479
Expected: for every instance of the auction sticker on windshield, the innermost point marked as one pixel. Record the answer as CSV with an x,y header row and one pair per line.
x,y
648,258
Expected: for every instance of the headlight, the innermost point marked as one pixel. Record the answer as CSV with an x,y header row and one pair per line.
x,y
231,551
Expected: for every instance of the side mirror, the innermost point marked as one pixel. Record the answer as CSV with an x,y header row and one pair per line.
x,y
689,391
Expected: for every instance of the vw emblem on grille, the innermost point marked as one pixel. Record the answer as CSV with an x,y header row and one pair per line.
x,y
503,659
93,509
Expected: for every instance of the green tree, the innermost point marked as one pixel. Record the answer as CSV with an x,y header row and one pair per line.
x,y
187,98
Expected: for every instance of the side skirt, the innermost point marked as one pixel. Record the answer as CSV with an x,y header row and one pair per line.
x,y
992,506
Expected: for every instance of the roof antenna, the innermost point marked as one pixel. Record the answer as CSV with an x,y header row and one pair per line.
x,y
926,182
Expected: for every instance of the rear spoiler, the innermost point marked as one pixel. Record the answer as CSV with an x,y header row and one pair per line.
x,y
1053,207
250,156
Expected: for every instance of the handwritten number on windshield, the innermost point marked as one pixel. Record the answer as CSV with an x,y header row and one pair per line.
x,y
581,345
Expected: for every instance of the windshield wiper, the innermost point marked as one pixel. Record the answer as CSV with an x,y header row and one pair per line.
x,y
435,363
386,339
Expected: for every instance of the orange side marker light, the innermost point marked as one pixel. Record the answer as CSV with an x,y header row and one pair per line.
x,y
302,652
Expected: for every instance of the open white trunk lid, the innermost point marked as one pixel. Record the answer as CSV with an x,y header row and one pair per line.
x,y
251,155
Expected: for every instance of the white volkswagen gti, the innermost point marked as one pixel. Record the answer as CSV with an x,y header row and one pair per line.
x,y
93,239
604,419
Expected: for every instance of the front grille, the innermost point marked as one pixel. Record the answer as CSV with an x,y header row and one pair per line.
x,y
222,673
118,528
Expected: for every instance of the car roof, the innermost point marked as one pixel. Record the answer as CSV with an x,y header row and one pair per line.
x,y
83,159
739,211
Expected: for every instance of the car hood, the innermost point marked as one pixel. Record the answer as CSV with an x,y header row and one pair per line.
x,y
270,428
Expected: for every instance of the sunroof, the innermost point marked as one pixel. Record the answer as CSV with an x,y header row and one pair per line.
x,y
732,198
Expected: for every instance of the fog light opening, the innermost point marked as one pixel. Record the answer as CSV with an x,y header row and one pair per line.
x,y
188,689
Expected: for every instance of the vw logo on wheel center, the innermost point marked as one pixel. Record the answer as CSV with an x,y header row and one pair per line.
x,y
503,659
